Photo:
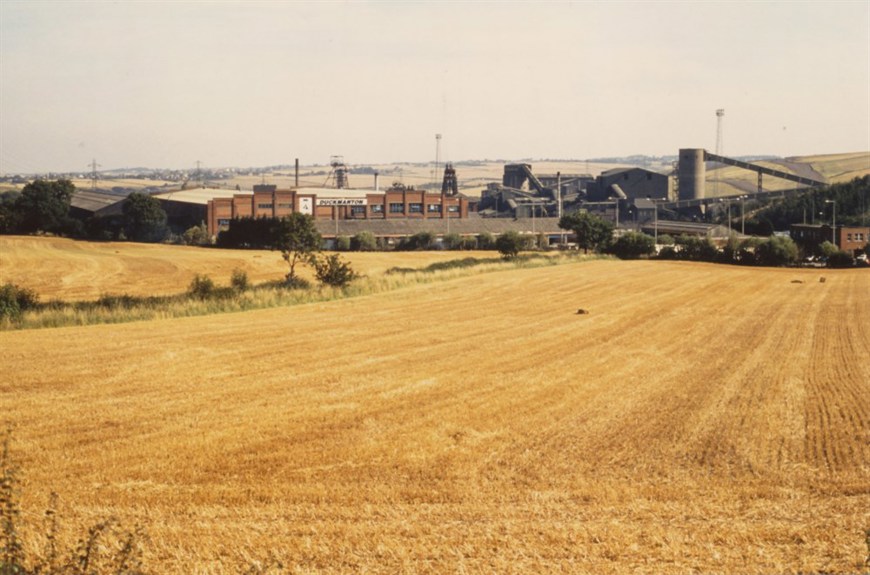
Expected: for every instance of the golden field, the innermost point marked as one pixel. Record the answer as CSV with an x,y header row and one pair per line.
x,y
60,268
700,419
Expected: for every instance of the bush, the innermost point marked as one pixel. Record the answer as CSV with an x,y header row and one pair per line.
x,y
452,241
296,282
776,251
364,242
633,245
331,270
14,300
509,244
239,280
840,259
668,253
468,243
342,243
196,236
486,241
202,287
419,241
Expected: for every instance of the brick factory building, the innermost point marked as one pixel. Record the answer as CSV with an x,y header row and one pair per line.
x,y
335,204
851,239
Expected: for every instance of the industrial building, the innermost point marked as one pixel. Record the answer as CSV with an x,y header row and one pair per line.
x,y
398,203
850,239
629,183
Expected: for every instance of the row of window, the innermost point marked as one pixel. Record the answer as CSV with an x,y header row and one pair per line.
x,y
859,237
398,208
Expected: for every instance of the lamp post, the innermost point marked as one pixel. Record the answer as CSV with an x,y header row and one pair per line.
x,y
656,221
742,215
834,222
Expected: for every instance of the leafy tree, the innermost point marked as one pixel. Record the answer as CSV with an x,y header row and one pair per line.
x,y
468,243
509,244
8,213
364,242
196,236
419,241
44,205
592,231
777,251
298,239
828,249
342,243
144,218
633,245
332,271
697,249
485,241
666,240
452,241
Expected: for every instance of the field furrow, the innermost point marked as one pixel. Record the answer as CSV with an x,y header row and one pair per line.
x,y
699,418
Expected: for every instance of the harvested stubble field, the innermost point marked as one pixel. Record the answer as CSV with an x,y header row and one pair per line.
x,y
699,418
59,268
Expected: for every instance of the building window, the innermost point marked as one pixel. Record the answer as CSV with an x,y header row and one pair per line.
x,y
453,209
849,237
285,206
378,208
434,208
358,210
397,208
264,206
223,222
415,208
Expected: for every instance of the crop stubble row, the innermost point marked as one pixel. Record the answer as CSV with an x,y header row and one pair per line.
x,y
699,417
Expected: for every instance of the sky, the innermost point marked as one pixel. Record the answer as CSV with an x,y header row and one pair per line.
x,y
167,84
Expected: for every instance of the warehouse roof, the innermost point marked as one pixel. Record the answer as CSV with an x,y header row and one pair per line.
x,y
199,196
407,227
93,201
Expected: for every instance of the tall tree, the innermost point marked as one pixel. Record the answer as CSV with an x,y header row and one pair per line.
x,y
44,205
144,218
592,232
298,239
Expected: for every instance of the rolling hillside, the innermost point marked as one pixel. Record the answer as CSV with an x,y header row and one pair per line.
x,y
700,418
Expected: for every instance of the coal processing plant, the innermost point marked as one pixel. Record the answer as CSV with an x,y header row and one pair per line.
x,y
630,195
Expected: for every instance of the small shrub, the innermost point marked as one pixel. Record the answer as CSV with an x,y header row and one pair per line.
x,y
668,253
364,242
202,287
486,241
14,300
468,243
342,244
633,245
331,270
196,236
125,301
452,241
509,244
840,259
239,280
296,282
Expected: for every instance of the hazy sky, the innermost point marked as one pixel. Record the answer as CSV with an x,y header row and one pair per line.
x,y
164,84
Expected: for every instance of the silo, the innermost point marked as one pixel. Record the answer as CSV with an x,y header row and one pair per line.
x,y
692,173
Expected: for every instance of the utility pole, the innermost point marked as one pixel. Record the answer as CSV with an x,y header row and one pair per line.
x,y
94,165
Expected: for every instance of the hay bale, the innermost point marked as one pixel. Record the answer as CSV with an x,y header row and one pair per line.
x,y
582,311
